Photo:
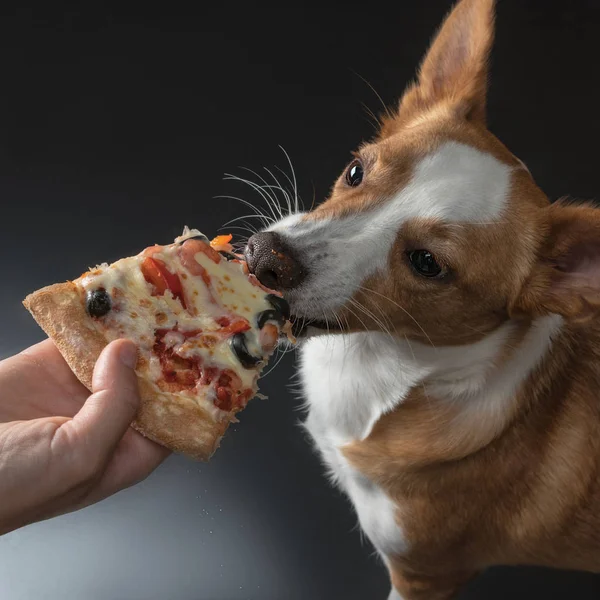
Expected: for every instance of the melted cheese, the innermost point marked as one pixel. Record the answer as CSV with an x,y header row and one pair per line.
x,y
137,314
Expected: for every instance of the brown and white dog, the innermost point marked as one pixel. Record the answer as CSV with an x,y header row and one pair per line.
x,y
455,396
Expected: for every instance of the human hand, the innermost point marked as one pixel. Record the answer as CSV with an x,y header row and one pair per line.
x,y
61,448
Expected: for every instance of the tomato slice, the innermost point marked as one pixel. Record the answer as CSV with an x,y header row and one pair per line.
x,y
151,250
153,275
238,325
156,273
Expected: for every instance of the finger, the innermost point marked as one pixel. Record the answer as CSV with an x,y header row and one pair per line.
x,y
47,359
133,460
43,348
108,412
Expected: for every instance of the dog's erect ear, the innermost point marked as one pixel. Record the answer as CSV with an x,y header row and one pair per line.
x,y
566,277
455,70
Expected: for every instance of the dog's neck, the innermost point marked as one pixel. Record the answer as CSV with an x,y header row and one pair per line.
x,y
352,381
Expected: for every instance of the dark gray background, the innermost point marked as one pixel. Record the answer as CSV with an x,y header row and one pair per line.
x,y
115,130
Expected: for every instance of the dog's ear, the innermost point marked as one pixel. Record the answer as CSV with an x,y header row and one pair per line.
x,y
565,279
454,72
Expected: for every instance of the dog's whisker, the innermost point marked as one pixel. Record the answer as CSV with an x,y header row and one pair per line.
x,y
365,289
278,359
357,317
242,217
278,187
257,188
294,183
249,230
268,189
297,201
267,218
382,326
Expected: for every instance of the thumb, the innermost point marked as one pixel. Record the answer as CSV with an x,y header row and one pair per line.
x,y
106,415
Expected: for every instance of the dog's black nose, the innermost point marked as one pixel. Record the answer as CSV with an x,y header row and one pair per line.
x,y
273,262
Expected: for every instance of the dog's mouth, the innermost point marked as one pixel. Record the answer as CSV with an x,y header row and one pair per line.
x,y
302,326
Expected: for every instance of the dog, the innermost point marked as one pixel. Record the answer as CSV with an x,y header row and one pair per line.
x,y
450,344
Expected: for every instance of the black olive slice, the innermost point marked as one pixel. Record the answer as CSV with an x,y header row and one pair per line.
x,y
98,302
240,349
280,304
269,315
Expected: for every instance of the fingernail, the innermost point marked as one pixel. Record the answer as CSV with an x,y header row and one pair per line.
x,y
128,355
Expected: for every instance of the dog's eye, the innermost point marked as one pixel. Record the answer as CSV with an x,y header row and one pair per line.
x,y
355,173
424,263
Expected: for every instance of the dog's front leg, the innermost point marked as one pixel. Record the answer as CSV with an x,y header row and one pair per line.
x,y
410,586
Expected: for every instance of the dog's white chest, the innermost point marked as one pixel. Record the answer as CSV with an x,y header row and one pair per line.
x,y
349,385
350,381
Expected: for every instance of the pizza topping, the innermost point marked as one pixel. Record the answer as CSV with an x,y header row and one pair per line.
x,y
240,349
181,374
222,243
200,237
98,302
269,315
173,338
196,236
228,255
178,373
156,273
192,246
152,250
221,240
268,337
237,325
280,304
253,279
187,254
286,330
230,393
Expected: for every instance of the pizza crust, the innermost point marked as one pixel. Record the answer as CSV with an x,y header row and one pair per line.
x,y
171,420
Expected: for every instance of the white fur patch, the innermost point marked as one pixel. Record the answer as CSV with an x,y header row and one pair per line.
x,y
352,380
456,183
377,515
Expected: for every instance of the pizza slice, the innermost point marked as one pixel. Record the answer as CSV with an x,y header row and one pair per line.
x,y
204,327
